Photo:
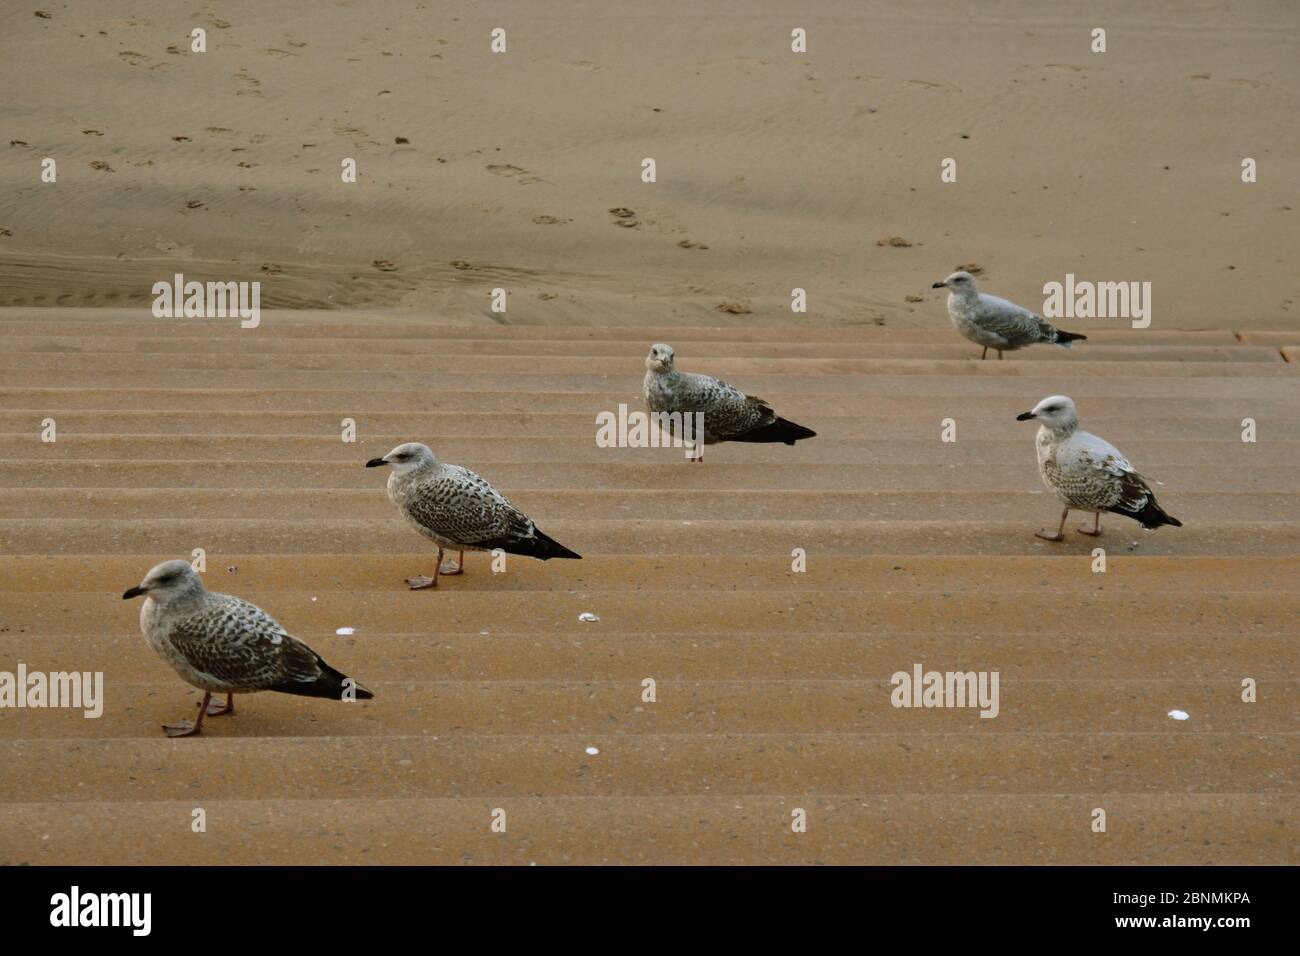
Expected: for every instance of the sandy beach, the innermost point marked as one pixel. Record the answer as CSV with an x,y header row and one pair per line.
x,y
477,169
775,171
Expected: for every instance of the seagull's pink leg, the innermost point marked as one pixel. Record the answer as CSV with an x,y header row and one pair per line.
x,y
215,710
1096,528
456,567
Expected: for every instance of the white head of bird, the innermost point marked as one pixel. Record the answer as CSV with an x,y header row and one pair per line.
x,y
409,456
1055,413
168,582
959,283
660,358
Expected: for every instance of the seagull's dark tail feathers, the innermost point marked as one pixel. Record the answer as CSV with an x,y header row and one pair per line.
x,y
329,684
1152,516
1064,338
540,546
780,430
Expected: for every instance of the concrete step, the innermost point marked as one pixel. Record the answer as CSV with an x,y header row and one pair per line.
x,y
810,377
849,828
495,652
723,470
808,609
175,537
85,574
560,358
435,425
121,504
142,695
886,400
972,449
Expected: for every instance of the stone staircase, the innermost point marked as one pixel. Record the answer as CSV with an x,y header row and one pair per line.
x,y
773,687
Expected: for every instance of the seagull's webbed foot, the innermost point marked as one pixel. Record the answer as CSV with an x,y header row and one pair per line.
x,y
1094,531
1059,533
185,728
188,728
420,582
222,710
453,567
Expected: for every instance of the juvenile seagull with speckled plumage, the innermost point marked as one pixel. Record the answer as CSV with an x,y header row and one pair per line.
x,y
1088,473
995,323
729,414
455,508
224,645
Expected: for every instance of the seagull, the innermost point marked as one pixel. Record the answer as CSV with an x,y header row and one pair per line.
x,y
455,508
728,413
996,323
1088,473
223,644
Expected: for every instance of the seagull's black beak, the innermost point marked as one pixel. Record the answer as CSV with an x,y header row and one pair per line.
x,y
375,463
1025,416
132,592
937,285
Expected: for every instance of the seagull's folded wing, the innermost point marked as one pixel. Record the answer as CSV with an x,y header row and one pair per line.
x,y
240,644
728,411
1014,323
460,506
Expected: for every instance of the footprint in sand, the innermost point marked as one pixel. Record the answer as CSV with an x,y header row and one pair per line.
x,y
383,265
897,242
271,269
624,217
253,84
974,268
735,308
691,244
91,132
194,204
518,173
550,221
101,166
